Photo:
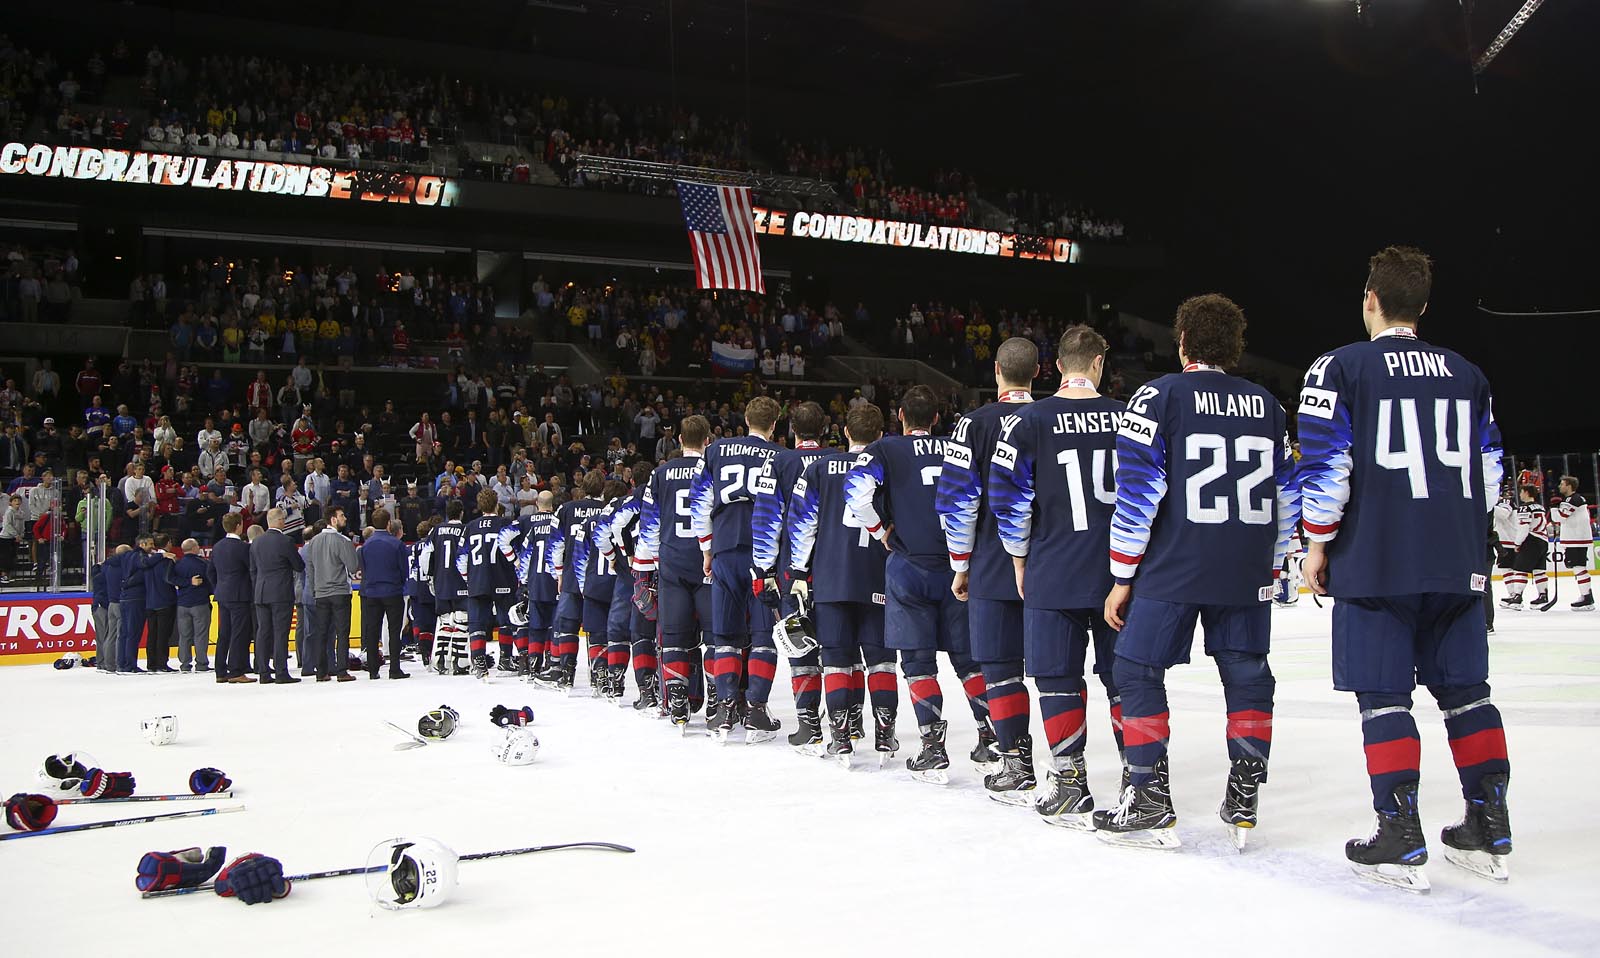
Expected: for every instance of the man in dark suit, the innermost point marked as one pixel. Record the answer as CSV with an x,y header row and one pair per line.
x,y
274,563
384,566
230,577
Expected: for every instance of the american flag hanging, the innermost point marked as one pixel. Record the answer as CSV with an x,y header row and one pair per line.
x,y
722,235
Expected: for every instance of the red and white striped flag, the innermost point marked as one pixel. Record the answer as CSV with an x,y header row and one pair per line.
x,y
722,236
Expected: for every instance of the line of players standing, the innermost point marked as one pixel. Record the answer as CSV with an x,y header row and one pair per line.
x,y
990,546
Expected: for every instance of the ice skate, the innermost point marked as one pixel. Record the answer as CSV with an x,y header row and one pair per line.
x,y
505,664
884,741
842,745
649,699
1396,852
759,725
1238,809
807,736
932,764
985,755
1585,604
678,706
858,726
524,667
557,678
1068,803
1014,783
480,667
1143,817
615,685
1482,840
1511,602
724,719
597,677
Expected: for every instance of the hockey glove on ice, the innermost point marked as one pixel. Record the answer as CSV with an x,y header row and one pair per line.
x,y
209,781
253,879
184,868
506,718
104,784
29,813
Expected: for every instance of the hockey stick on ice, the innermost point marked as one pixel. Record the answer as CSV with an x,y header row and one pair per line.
x,y
1555,563
341,872
417,741
142,798
118,822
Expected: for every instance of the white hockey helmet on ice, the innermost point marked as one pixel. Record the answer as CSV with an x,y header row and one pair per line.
x,y
161,729
65,771
417,873
515,745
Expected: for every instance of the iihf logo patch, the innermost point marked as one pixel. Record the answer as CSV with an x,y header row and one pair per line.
x,y
1479,582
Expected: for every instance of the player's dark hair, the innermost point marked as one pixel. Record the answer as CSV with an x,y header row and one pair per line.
x,y
1402,277
808,420
594,481
1017,360
379,518
453,509
488,503
694,432
864,423
641,474
1078,347
761,413
613,489
1530,489
1210,330
424,527
920,407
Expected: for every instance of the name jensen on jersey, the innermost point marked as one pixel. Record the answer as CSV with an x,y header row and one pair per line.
x,y
1069,423
1230,404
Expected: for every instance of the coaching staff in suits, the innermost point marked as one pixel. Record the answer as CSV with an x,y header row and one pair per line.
x,y
274,562
383,558
236,620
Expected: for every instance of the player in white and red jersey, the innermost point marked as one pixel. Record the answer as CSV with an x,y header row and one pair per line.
x,y
1529,535
1575,530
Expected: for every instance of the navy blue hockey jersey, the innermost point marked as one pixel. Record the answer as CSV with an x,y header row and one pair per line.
x,y
479,559
1206,496
667,541
595,575
624,528
731,474
824,536
1400,465
1053,487
969,526
891,491
527,543
569,530
769,544
441,549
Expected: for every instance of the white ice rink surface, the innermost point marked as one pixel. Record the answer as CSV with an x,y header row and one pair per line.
x,y
758,851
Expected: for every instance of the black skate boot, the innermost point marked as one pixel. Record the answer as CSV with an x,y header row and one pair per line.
x,y
616,683
524,665
678,706
1014,783
506,662
1143,818
884,741
556,676
1238,809
597,676
932,764
759,725
480,666
1585,604
985,755
649,697
1511,602
1482,841
842,744
858,726
1397,850
725,721
807,736
1068,803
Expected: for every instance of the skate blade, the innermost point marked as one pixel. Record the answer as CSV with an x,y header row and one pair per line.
x,y
933,776
1495,868
1405,877
810,750
985,769
1019,798
843,761
1076,821
884,758
1239,834
722,735
1157,838
755,736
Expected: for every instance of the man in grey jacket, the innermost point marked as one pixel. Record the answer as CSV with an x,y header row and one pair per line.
x,y
332,561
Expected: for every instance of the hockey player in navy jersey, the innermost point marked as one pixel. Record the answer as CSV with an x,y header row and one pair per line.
x,y
890,492
732,472
526,543
630,632
1400,464
769,578
1206,501
491,581
836,562
419,592
668,552
596,583
983,577
439,552
569,600
1052,486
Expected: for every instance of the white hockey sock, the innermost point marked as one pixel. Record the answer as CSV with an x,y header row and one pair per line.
x,y
1540,581
1582,578
1515,582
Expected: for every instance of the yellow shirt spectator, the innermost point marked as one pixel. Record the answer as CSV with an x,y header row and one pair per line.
x,y
576,316
329,330
306,327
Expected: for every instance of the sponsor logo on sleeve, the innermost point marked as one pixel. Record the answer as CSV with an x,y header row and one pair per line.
x,y
1005,454
957,455
1138,428
1318,402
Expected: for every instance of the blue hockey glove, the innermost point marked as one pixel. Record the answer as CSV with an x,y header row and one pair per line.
x,y
184,868
209,781
103,784
253,879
